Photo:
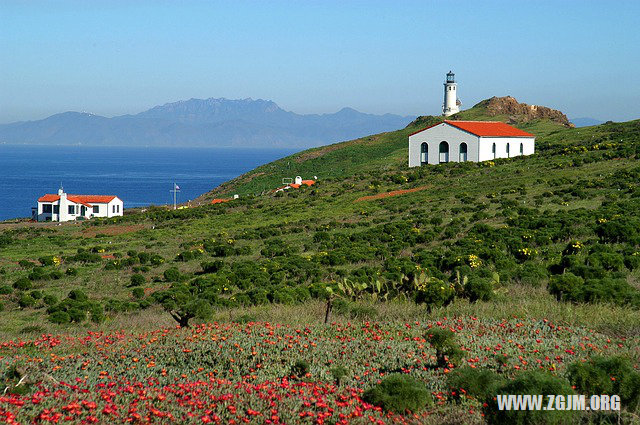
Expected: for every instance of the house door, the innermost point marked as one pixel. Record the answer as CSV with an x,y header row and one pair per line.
x,y
463,152
83,210
444,152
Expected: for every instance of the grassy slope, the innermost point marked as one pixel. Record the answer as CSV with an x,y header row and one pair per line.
x,y
457,193
350,170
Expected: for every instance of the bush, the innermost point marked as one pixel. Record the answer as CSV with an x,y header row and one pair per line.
x,y
171,275
398,394
565,285
23,284
59,317
478,383
1,306
300,369
5,289
607,375
445,344
478,288
137,280
532,274
50,300
338,373
71,271
531,382
138,293
26,300
211,266
78,295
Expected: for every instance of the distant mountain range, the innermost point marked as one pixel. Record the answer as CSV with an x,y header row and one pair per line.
x,y
203,122
585,122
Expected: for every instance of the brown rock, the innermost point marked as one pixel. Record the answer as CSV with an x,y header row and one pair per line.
x,y
521,112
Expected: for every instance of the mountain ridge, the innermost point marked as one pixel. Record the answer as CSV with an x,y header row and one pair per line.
x,y
218,122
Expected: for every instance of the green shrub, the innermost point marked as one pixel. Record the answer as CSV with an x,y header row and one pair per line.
x,y
300,368
5,289
446,346
478,383
359,311
565,286
532,274
71,271
398,394
211,266
531,382
59,317
77,295
1,306
56,275
138,280
607,375
171,275
36,295
50,300
96,312
23,284
77,315
478,288
138,293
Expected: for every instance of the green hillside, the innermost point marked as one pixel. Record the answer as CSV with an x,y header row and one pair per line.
x,y
532,261
384,151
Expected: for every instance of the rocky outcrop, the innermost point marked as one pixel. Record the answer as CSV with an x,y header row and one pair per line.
x,y
521,112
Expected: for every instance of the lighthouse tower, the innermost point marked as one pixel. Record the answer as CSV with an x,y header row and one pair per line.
x,y
451,103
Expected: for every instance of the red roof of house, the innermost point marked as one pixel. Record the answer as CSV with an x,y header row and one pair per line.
x,y
79,199
219,201
484,128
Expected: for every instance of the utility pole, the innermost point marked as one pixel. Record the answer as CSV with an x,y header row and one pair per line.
x,y
175,191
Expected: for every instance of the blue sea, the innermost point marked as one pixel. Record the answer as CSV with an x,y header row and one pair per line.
x,y
139,176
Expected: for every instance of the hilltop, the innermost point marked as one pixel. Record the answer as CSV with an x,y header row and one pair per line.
x,y
202,122
385,150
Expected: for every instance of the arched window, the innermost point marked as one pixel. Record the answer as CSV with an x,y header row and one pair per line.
x,y
463,152
493,150
444,152
508,156
424,153
521,148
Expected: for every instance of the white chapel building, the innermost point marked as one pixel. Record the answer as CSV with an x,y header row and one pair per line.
x,y
67,207
460,141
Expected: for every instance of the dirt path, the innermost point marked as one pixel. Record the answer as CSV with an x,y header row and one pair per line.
x,y
392,193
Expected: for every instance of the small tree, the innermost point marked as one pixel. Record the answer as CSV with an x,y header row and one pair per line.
x,y
446,346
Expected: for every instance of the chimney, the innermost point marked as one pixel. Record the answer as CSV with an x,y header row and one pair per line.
x,y
298,180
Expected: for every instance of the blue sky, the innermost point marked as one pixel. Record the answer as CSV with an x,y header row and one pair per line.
x,y
116,57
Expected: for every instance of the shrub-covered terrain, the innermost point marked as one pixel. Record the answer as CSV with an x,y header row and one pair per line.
x,y
553,238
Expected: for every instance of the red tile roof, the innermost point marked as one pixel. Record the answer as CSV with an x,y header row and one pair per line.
x,y
484,128
79,199
219,201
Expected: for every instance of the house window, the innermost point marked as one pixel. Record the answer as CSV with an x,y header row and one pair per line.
x,y
46,208
72,209
444,152
424,154
493,150
507,150
463,152
56,209
521,148
118,208
113,209
96,209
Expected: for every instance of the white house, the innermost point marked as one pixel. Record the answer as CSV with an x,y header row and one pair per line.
x,y
66,207
460,141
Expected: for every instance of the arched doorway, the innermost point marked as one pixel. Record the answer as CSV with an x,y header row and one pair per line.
x,y
424,153
463,152
444,152
493,150
508,155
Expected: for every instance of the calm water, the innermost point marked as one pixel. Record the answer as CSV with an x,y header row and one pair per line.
x,y
139,176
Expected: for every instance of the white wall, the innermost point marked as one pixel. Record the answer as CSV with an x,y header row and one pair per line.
x,y
437,134
486,147
117,202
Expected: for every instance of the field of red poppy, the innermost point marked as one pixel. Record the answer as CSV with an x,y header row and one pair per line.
x,y
250,373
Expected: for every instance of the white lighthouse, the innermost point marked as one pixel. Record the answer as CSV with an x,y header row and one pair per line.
x,y
451,103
